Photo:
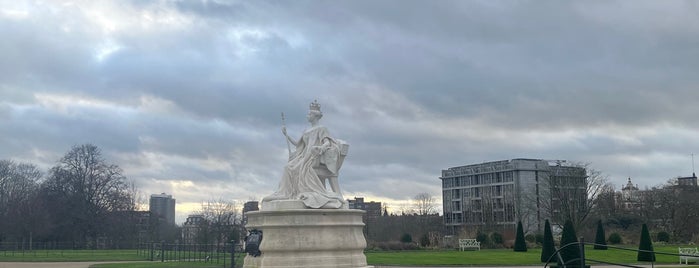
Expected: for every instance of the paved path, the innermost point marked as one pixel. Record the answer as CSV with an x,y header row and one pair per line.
x,y
87,264
533,266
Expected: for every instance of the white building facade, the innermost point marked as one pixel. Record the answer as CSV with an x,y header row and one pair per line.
x,y
495,195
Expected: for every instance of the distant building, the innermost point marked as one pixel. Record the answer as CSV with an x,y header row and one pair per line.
x,y
498,194
373,211
629,198
163,206
192,227
687,181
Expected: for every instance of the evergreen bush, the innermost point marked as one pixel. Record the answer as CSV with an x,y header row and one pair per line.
x,y
569,253
483,238
496,238
406,238
548,247
645,246
663,237
600,241
615,238
520,243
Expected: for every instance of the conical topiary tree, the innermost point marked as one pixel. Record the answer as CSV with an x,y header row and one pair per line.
x,y
570,253
548,247
600,241
645,246
520,243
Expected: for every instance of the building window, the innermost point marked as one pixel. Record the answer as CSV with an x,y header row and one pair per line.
x,y
456,194
476,205
456,206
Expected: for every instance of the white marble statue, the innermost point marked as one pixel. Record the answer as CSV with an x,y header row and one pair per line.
x,y
317,157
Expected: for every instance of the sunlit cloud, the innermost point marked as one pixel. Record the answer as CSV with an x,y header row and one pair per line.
x,y
186,96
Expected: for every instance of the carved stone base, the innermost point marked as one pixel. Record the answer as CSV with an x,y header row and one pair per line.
x,y
307,237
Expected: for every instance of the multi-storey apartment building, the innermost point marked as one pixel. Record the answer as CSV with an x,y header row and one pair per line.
x,y
163,206
498,194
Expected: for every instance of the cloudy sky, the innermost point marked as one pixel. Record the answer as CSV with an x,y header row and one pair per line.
x,y
186,96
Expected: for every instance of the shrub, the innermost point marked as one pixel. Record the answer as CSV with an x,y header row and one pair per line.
x,y
425,240
647,245
571,252
406,238
600,242
547,248
393,245
520,244
483,238
663,236
531,238
496,238
615,238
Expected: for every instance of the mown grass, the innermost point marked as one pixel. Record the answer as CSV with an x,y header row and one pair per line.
x,y
157,265
504,257
70,255
485,257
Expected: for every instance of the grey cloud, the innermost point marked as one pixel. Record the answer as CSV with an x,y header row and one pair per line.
x,y
413,88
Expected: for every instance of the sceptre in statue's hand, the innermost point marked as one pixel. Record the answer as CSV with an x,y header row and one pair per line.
x,y
288,146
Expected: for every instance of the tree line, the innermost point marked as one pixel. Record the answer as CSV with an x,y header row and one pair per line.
x,y
669,208
81,199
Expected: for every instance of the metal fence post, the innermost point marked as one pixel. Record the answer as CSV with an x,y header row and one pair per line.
x,y
162,251
582,252
232,253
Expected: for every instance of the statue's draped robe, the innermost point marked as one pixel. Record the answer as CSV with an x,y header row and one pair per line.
x,y
300,181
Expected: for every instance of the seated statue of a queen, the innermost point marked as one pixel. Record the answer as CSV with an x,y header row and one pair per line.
x,y
317,157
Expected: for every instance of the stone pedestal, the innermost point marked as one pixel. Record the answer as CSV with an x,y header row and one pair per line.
x,y
294,236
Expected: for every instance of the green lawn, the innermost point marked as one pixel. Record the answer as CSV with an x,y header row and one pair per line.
x,y
498,257
70,255
486,257
157,265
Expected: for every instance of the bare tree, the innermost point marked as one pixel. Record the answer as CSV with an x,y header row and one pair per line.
x,y
223,221
425,208
607,203
81,190
424,204
673,208
18,192
571,192
686,213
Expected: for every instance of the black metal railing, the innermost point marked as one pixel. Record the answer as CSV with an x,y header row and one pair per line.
x,y
582,261
225,254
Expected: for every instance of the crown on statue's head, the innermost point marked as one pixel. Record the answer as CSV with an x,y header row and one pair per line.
x,y
315,106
